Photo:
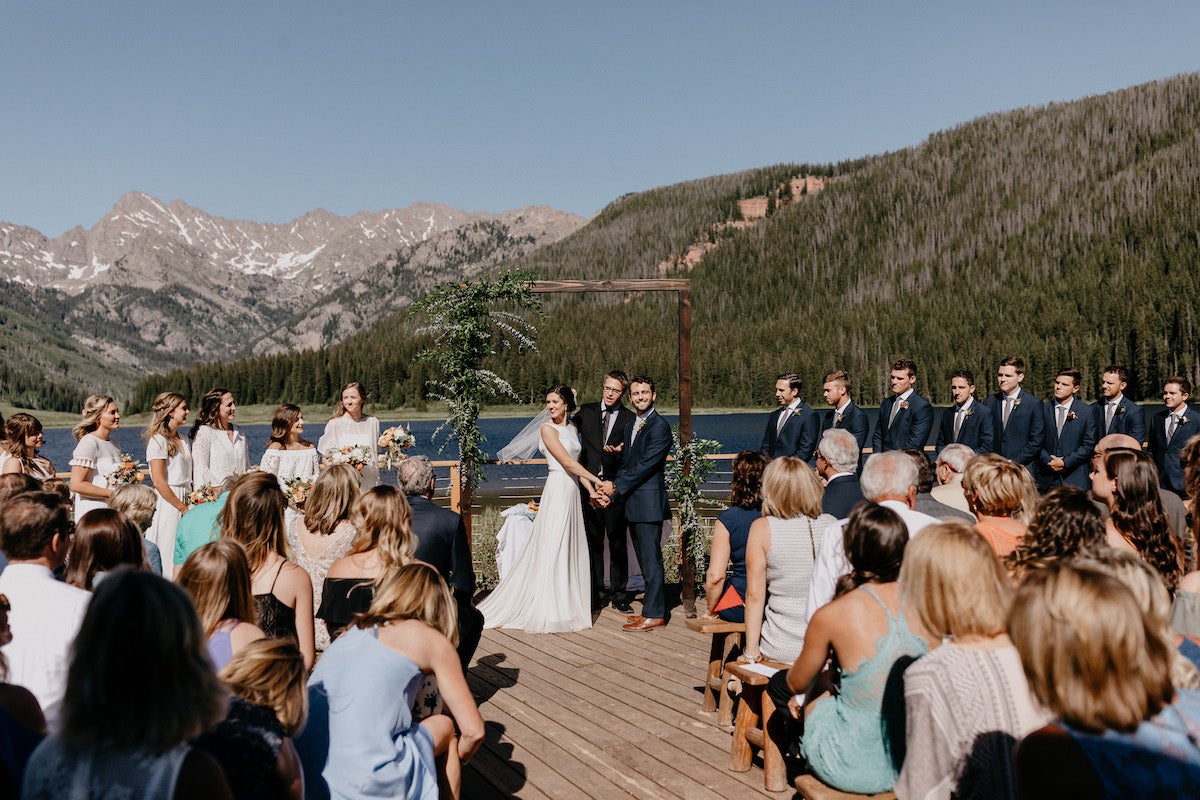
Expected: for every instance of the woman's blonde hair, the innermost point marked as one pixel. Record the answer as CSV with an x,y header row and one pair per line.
x,y
253,517
136,501
997,487
1148,588
383,519
1091,656
139,674
953,583
790,489
89,418
414,591
164,406
333,495
217,577
270,672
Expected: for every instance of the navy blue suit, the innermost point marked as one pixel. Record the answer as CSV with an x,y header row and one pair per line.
x,y
1129,418
1021,439
798,437
909,431
641,484
1075,446
841,494
854,419
1166,453
978,430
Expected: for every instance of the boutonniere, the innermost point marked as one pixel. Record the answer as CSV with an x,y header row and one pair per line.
x,y
1072,415
1184,420
970,412
903,404
1016,402
1121,409
837,420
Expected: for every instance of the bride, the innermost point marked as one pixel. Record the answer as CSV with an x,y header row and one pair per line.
x,y
548,590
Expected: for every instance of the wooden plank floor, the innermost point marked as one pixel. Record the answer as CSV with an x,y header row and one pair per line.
x,y
600,714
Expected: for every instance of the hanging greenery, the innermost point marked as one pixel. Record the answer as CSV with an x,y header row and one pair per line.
x,y
686,476
472,322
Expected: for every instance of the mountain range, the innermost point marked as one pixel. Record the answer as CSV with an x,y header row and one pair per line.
x,y
155,285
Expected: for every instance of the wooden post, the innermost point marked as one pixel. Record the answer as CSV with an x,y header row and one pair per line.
x,y
460,501
687,573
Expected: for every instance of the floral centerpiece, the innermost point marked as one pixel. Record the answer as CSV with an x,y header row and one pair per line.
x,y
297,490
128,471
394,442
204,493
357,456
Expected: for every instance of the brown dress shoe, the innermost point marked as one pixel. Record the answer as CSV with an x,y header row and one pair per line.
x,y
645,624
634,618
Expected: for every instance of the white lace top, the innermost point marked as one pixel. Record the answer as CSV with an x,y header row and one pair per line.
x,y
215,457
343,431
288,464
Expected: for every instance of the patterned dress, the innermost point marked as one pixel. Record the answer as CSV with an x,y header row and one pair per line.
x,y
794,544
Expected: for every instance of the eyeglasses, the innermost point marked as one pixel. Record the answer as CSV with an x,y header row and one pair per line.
x,y
5,606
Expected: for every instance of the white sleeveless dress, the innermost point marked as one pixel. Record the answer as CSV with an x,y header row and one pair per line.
x,y
549,588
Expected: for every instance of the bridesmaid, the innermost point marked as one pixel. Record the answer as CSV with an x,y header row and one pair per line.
x,y
22,439
95,455
288,456
218,446
170,462
350,426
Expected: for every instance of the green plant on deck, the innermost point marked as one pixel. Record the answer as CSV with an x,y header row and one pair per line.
x,y
685,477
470,323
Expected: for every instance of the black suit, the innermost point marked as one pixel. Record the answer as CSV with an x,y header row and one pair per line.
x,y
977,431
798,437
1166,451
841,494
442,543
609,521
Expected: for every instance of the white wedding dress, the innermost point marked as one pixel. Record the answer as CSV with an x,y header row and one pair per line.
x,y
549,588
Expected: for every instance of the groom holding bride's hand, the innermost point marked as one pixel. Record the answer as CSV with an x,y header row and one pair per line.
x,y
641,484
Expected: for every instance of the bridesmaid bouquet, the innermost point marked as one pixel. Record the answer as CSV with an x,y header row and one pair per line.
x,y
128,471
297,490
204,493
394,442
357,456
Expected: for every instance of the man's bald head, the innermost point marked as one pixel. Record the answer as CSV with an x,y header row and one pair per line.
x,y
1117,440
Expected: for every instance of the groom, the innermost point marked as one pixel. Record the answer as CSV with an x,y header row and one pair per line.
x,y
641,484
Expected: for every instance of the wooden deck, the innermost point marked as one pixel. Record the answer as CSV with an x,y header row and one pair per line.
x,y
600,714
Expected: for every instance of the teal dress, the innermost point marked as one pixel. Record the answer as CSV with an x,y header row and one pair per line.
x,y
854,740
361,738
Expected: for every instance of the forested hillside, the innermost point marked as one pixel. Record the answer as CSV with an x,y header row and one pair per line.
x,y
1068,234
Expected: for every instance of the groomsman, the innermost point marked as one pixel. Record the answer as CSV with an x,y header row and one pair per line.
x,y
1169,431
844,414
1117,413
1017,415
792,430
905,418
602,429
966,422
1070,426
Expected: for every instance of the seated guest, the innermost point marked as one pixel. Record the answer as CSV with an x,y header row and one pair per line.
x,y
949,467
1175,509
730,533
780,555
217,578
926,503
851,734
1128,482
140,688
837,463
104,540
253,744
137,501
966,702
22,725
200,524
253,517
384,542
361,738
1065,523
1147,587
1002,495
1104,671
442,543
14,483
35,531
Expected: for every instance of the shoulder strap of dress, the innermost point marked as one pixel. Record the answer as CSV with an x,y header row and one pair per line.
x,y
882,604
282,564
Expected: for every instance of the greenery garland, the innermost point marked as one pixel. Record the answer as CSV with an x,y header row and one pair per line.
x,y
686,476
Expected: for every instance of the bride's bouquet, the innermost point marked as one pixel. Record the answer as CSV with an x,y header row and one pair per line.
x,y
394,442
357,456
297,490
204,493
128,471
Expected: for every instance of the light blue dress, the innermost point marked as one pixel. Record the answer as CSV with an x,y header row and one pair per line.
x,y
851,738
361,736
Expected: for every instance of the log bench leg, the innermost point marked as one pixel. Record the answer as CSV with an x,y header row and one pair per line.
x,y
741,754
716,666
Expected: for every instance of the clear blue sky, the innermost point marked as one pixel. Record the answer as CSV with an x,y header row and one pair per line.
x,y
265,111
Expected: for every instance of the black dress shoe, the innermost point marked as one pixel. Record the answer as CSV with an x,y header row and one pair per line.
x,y
622,605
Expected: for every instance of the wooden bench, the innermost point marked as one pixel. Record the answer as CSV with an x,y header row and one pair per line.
x,y
810,788
749,729
727,637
